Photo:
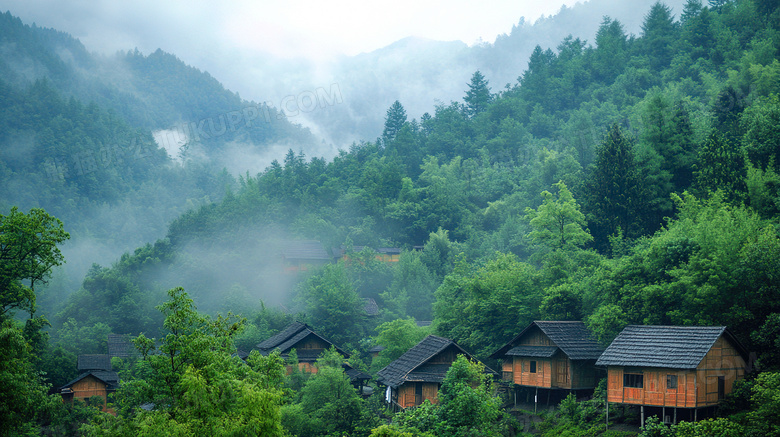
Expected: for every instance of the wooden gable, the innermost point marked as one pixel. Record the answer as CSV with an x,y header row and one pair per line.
x,y
87,387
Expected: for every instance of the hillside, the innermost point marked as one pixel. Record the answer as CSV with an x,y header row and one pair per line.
x,y
118,146
626,180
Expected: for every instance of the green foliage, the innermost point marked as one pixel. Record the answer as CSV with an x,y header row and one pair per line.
x,y
467,406
28,250
410,292
478,96
558,222
332,305
481,308
613,192
764,419
396,337
329,404
721,166
721,427
694,99
655,428
396,117
467,401
195,384
23,391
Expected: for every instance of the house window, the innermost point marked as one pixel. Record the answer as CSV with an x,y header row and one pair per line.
x,y
633,380
533,367
721,387
418,393
671,382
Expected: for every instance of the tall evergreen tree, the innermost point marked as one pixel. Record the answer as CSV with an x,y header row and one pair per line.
x,y
396,117
658,35
721,166
691,9
609,58
613,190
478,95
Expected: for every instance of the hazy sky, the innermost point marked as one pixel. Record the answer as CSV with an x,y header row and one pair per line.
x,y
197,29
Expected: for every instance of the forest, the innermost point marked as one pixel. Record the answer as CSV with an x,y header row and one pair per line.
x,y
627,180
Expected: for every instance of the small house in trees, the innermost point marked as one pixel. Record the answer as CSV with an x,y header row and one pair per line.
x,y
370,307
383,254
417,374
551,355
688,367
301,255
308,346
96,378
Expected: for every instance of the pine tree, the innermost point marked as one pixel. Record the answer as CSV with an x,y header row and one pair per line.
x,y
613,190
658,34
478,96
721,166
396,117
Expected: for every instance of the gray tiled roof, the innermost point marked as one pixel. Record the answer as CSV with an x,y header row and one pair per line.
x,y
572,337
677,347
289,337
120,346
93,362
305,250
370,306
275,340
533,351
109,377
411,366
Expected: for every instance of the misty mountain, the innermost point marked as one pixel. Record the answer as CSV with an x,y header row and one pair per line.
x,y
117,146
423,73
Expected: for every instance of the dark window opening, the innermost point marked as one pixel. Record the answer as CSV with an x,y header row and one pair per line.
x,y
418,392
533,366
631,380
671,381
721,387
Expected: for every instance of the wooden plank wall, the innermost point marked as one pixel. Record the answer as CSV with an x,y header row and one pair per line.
x,y
407,397
88,387
654,391
447,356
722,360
695,388
523,376
535,338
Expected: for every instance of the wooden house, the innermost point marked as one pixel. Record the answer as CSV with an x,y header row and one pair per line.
x,y
382,254
96,378
308,347
370,307
302,255
417,374
673,366
551,355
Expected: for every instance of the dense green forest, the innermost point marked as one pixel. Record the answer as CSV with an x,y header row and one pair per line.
x,y
626,180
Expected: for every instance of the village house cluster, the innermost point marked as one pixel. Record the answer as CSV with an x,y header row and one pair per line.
x,y
675,372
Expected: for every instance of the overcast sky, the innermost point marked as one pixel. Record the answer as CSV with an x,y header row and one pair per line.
x,y
195,29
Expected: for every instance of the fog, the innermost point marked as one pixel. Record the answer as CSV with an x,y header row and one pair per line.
x,y
338,87
267,52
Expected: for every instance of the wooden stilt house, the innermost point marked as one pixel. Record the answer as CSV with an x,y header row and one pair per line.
x,y
96,378
417,374
551,355
308,346
673,366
